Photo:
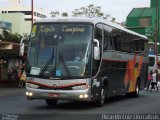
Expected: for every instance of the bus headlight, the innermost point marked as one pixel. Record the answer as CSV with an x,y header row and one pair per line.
x,y
30,85
83,96
29,94
81,87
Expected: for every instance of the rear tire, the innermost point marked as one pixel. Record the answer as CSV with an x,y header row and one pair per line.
x,y
51,102
136,93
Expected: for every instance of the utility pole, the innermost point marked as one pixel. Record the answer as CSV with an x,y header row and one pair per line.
x,y
32,12
157,27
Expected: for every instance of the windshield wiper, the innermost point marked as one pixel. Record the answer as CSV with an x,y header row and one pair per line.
x,y
47,64
65,66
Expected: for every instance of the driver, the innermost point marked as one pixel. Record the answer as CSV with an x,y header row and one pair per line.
x,y
79,57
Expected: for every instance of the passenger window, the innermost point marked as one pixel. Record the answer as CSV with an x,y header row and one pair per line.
x,y
125,42
111,38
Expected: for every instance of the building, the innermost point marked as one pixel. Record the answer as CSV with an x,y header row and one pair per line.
x,y
15,18
8,58
5,25
144,21
19,25
16,6
20,16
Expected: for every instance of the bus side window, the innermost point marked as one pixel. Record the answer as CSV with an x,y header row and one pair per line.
x,y
116,40
146,47
118,43
111,38
105,41
110,43
108,38
125,42
139,45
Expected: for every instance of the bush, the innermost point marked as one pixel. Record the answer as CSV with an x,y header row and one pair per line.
x,y
1,37
10,37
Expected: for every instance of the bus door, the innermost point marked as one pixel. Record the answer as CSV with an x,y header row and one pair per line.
x,y
96,62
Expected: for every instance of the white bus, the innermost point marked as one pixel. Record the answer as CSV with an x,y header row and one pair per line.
x,y
152,66
114,60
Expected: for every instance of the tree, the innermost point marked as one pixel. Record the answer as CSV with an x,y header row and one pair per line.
x,y
11,37
6,35
1,37
90,11
54,13
64,14
108,17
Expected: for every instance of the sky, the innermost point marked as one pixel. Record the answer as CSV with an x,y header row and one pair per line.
x,y
118,9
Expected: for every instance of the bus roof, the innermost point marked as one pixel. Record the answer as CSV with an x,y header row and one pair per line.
x,y
90,20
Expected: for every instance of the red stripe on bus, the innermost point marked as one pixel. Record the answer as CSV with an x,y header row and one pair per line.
x,y
120,61
115,60
62,86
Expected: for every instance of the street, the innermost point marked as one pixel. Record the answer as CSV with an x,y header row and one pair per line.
x,y
79,50
17,104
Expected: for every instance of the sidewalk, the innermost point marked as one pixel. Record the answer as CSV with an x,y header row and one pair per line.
x,y
11,91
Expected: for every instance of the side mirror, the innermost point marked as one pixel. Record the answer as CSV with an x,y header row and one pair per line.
x,y
96,50
21,49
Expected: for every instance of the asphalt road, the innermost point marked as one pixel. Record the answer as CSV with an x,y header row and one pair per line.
x,y
18,107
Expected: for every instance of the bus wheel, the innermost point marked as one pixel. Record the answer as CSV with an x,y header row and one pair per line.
x,y
136,93
100,102
51,102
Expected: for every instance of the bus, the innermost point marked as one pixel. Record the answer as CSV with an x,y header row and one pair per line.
x,y
115,60
153,63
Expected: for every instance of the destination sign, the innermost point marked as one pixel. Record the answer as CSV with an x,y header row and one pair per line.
x,y
67,29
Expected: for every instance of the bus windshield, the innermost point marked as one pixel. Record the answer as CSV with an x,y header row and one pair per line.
x,y
60,50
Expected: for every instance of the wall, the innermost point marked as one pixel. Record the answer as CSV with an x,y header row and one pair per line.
x,y
19,25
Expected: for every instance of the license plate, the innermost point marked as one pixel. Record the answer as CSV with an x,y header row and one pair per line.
x,y
53,95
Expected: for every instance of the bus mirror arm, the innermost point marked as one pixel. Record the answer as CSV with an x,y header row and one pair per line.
x,y
21,50
96,50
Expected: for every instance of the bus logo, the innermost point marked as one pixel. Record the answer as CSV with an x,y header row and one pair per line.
x,y
54,85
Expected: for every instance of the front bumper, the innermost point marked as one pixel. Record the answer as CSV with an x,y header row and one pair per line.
x,y
78,95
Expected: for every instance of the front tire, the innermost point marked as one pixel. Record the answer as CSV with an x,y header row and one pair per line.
x,y
51,102
100,102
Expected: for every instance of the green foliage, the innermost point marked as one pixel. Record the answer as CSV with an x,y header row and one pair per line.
x,y
57,13
90,11
64,14
10,37
1,37
54,13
